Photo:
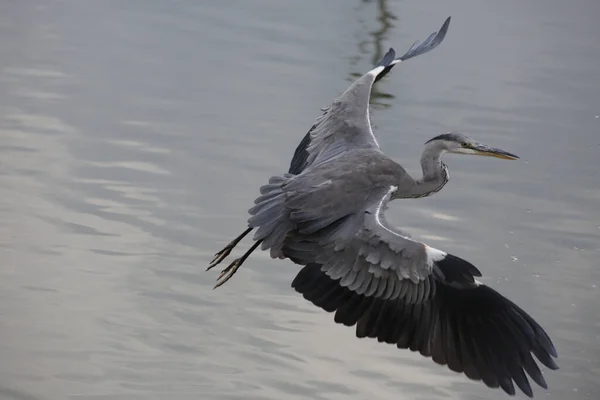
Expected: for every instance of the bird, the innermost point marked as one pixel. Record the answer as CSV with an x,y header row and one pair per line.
x,y
327,215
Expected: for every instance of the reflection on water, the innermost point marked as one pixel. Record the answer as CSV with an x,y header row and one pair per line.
x,y
133,138
379,98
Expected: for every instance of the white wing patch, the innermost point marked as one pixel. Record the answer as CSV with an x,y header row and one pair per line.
x,y
380,206
434,255
375,71
371,129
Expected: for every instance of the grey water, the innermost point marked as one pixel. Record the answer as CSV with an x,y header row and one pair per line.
x,y
134,136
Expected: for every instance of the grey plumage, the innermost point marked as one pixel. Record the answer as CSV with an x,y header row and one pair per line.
x,y
327,214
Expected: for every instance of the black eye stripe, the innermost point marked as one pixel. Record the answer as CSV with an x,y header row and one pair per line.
x,y
450,137
445,136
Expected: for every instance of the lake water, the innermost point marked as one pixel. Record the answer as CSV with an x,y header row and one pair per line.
x,y
133,139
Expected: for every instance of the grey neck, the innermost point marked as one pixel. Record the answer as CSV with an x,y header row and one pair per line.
x,y
435,172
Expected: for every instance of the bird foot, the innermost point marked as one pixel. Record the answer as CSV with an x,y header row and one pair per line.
x,y
228,272
220,256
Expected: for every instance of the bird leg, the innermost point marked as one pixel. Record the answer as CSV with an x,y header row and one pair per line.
x,y
227,249
228,272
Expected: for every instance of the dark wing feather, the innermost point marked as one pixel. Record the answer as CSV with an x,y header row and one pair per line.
x,y
298,162
472,329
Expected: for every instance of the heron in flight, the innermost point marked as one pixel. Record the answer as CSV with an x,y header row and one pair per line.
x,y
327,214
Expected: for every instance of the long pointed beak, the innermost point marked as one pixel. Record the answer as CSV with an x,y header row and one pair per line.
x,y
487,151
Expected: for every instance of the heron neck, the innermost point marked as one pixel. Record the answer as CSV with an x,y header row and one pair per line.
x,y
435,173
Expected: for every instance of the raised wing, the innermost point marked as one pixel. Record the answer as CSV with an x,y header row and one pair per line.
x,y
404,292
345,124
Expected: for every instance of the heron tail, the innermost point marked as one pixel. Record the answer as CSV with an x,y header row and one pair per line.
x,y
270,216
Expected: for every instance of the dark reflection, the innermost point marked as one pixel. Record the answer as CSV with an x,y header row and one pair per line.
x,y
374,48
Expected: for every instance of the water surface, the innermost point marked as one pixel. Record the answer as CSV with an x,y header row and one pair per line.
x,y
134,137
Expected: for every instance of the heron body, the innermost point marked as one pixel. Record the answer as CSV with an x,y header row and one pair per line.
x,y
327,214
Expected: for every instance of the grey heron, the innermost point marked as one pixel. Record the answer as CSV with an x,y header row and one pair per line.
x,y
327,214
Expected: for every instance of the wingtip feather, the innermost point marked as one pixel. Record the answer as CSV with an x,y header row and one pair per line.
x,y
428,44
387,59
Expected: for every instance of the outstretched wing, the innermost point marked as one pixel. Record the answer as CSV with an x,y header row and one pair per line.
x,y
404,292
345,123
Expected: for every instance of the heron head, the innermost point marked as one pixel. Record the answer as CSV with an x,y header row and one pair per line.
x,y
461,144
